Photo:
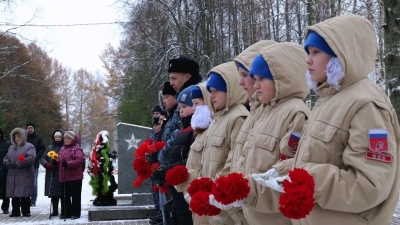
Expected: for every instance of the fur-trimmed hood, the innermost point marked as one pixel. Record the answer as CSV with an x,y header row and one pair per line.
x,y
23,133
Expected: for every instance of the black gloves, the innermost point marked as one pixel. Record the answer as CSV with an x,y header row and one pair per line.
x,y
11,164
159,174
54,162
152,157
65,164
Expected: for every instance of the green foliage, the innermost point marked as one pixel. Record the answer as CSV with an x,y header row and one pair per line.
x,y
94,182
137,99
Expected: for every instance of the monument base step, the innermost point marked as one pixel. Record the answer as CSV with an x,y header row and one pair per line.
x,y
124,210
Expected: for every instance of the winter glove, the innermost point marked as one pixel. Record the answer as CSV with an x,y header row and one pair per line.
x,y
160,172
270,179
11,164
265,176
152,157
48,166
54,162
65,164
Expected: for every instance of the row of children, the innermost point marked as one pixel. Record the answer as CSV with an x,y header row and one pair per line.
x,y
348,143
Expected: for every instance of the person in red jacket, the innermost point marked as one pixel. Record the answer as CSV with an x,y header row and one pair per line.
x,y
70,173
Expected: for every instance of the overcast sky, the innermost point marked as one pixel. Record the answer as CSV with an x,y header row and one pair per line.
x,y
74,46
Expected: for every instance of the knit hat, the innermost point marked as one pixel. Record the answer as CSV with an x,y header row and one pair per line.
x,y
216,81
30,124
183,64
196,92
58,133
184,96
315,40
156,108
168,89
239,65
260,67
69,134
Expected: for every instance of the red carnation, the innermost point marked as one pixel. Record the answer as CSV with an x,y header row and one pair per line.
x,y
298,199
163,188
200,184
158,145
177,175
155,166
21,157
231,188
299,177
143,149
200,205
142,168
296,203
137,183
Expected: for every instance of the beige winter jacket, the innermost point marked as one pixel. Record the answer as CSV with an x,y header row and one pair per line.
x,y
193,163
269,140
235,159
223,130
350,188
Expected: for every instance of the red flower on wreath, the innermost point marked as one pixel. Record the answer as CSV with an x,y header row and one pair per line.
x,y
177,175
231,188
200,205
200,184
21,157
298,199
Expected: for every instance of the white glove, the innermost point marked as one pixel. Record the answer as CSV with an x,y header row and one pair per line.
x,y
188,198
275,183
218,204
265,176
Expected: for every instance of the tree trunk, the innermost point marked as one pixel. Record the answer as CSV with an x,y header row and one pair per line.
x,y
392,49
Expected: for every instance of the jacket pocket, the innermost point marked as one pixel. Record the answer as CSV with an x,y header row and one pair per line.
x,y
322,144
195,156
216,149
265,153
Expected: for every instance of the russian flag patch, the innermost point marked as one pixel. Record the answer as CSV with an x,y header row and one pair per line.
x,y
378,140
294,139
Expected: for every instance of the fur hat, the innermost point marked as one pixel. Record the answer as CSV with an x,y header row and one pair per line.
x,y
156,108
30,124
183,64
70,134
260,67
168,89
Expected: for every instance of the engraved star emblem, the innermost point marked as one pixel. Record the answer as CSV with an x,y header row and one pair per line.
x,y
133,142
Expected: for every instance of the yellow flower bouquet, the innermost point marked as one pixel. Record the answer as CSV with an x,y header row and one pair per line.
x,y
52,155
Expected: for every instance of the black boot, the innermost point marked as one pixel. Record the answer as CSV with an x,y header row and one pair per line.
x,y
54,202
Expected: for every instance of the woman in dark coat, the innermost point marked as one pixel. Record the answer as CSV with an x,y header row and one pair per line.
x,y
70,173
20,177
52,187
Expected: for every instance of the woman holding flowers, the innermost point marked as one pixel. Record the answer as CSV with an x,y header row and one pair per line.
x,y
52,187
19,160
71,161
